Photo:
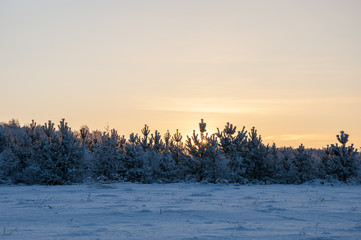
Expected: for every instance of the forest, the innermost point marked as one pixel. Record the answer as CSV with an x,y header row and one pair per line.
x,y
56,155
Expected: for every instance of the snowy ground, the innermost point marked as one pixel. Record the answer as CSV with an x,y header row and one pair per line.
x,y
180,211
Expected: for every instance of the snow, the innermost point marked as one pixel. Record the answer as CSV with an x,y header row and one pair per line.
x,y
180,211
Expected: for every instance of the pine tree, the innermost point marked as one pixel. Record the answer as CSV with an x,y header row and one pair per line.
x,y
303,164
144,141
133,159
254,160
233,147
340,162
3,140
205,154
108,158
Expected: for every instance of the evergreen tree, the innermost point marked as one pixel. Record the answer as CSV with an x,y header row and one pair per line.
x,y
234,149
340,161
108,158
254,160
133,159
3,139
303,164
205,154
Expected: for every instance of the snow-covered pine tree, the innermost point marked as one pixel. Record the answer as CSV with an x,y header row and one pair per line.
x,y
108,158
31,173
167,140
133,159
9,166
274,160
340,161
286,170
157,142
8,160
144,141
20,145
254,160
233,147
183,163
3,140
152,156
226,138
205,154
164,166
303,163
177,149
84,133
69,155
46,156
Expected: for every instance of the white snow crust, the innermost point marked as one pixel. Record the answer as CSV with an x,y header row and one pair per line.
x,y
180,211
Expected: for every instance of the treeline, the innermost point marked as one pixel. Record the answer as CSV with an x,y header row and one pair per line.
x,y
50,155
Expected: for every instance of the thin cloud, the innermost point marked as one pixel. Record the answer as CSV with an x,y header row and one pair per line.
x,y
243,106
290,137
208,106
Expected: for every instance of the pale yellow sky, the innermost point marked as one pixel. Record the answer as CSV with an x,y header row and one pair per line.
x,y
292,69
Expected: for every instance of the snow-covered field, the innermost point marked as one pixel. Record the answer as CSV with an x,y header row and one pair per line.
x,y
180,211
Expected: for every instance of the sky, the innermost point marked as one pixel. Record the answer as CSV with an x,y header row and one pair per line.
x,y
292,69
